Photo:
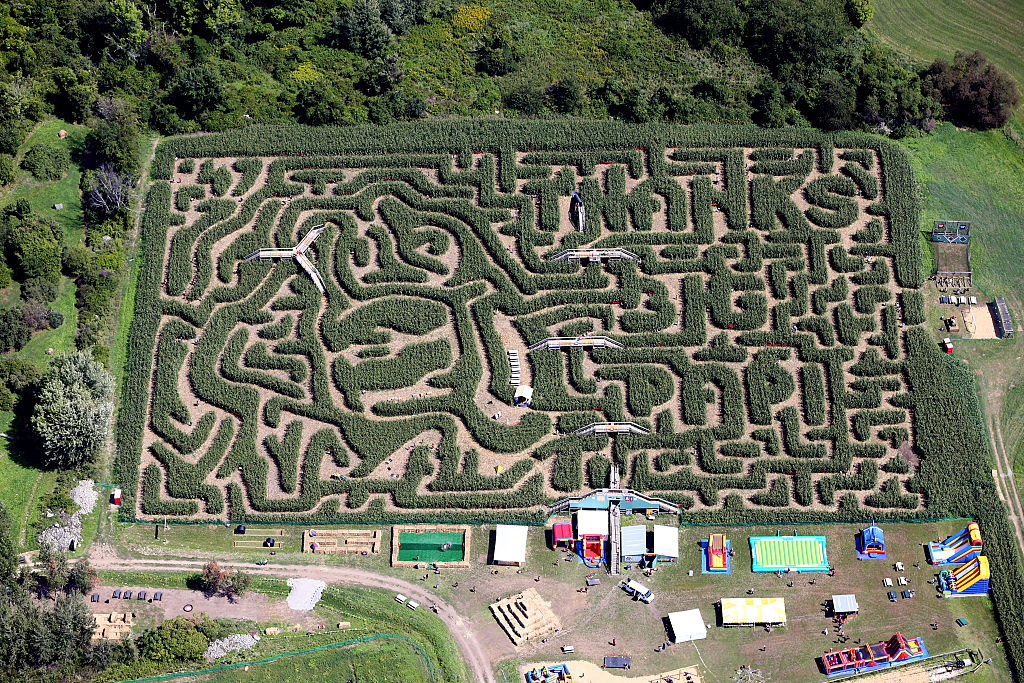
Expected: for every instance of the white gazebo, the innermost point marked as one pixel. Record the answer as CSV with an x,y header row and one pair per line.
x,y
510,544
687,626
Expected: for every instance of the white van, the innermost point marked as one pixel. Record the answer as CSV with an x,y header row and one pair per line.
x,y
638,591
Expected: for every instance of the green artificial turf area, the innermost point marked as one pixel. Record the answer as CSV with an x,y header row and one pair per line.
x,y
427,546
977,177
929,29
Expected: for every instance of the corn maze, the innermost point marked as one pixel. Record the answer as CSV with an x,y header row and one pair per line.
x,y
766,316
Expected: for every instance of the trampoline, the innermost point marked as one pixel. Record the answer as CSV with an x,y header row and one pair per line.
x,y
426,546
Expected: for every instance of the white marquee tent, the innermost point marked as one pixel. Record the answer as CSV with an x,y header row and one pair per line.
x,y
510,544
687,626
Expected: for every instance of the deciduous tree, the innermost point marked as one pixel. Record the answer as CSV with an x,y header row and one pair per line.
x,y
73,413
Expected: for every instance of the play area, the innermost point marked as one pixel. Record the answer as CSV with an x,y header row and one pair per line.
x,y
788,554
588,672
896,651
341,541
968,580
871,543
444,546
961,547
716,555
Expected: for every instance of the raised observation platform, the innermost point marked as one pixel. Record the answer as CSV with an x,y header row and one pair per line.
x,y
611,428
298,253
575,343
788,554
594,255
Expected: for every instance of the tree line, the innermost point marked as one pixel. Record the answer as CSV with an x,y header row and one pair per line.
x,y
185,65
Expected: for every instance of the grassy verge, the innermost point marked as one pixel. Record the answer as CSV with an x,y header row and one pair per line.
x,y
125,305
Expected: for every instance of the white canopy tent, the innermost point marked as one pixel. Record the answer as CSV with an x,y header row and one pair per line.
x,y
845,604
591,523
666,542
524,395
510,544
687,626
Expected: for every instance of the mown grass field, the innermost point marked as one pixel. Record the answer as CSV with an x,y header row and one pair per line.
x,y
976,177
929,29
380,661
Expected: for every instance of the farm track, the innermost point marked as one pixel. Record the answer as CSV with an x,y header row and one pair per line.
x,y
467,641
28,509
1006,481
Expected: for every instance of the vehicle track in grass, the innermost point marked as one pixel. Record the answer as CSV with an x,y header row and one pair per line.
x,y
1004,467
467,641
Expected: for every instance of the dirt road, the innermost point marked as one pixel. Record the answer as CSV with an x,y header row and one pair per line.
x,y
465,638
1006,482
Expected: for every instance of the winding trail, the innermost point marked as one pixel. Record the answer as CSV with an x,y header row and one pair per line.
x,y
465,638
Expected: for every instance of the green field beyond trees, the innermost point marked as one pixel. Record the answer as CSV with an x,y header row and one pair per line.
x,y
932,29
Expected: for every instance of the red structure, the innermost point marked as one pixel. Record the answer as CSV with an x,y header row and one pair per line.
x,y
716,553
593,550
894,652
561,533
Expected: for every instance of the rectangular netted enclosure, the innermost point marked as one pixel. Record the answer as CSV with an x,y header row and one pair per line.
x,y
443,546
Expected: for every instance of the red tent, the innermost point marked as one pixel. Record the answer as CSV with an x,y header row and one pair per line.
x,y
561,533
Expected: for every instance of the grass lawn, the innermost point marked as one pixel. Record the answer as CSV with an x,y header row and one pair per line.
x,y
976,177
43,195
928,29
60,339
376,660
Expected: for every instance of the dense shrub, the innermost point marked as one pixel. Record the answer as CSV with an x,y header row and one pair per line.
x,y
47,161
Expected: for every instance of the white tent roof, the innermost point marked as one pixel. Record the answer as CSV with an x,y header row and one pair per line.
x,y
687,626
592,522
523,391
666,540
510,543
845,603
634,540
